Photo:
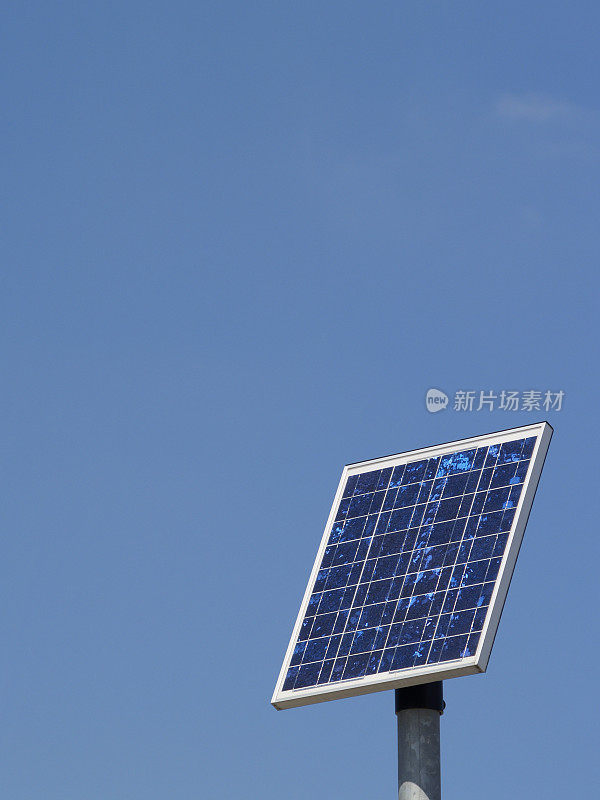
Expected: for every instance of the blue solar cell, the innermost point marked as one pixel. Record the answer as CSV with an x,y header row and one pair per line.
x,y
342,617
343,508
355,573
503,475
473,479
432,468
528,446
384,478
409,568
447,509
336,577
305,629
378,591
362,549
313,603
414,472
472,643
382,634
486,594
315,650
510,451
403,657
308,675
373,665
457,576
464,551
429,516
363,641
430,626
480,458
453,647
496,499
466,504
433,655
389,500
457,462
350,484
407,495
479,619
326,671
396,478
424,491
298,653
449,600
500,544
290,678
377,502
401,608
492,455
507,520
432,558
489,523
482,548
455,484
442,625
451,553
322,625
486,478
349,530
383,522
468,597
411,631
359,505
344,553
332,647
493,569
345,645
442,584
437,489
338,669
421,652
367,482
356,666
418,516
475,572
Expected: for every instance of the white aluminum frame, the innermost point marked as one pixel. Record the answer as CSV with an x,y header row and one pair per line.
x,y
447,669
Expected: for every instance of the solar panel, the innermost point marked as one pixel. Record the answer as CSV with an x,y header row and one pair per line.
x,y
413,568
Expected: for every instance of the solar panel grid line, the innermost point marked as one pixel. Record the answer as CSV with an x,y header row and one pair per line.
x,y
368,626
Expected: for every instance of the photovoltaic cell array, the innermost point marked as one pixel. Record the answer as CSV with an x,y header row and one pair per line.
x,y
410,565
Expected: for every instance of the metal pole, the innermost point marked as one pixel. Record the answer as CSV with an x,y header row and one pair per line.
x,y
418,709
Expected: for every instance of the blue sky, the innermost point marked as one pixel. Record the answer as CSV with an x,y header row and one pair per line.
x,y
240,243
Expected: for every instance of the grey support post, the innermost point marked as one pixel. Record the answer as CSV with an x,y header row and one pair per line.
x,y
418,709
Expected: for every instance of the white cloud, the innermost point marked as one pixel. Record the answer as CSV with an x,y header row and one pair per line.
x,y
534,108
